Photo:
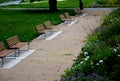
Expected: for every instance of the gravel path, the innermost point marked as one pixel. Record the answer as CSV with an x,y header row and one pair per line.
x,y
52,57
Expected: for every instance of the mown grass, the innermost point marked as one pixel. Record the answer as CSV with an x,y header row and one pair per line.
x,y
23,22
1,1
109,3
60,4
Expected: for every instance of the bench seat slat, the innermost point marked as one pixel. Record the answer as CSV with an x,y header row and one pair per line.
x,y
19,45
5,52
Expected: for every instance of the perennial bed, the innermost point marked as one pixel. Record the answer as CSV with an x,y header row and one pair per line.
x,y
100,56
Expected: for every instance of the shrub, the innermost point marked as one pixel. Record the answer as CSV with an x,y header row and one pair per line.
x,y
100,56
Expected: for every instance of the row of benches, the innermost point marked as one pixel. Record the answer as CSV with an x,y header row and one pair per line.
x,y
48,27
14,45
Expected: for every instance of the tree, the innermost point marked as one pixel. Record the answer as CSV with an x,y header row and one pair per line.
x,y
53,5
81,4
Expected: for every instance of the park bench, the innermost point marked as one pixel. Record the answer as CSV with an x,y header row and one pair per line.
x,y
66,20
67,16
78,11
15,43
48,25
4,52
63,18
41,30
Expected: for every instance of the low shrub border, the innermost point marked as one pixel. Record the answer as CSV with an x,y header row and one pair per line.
x,y
100,56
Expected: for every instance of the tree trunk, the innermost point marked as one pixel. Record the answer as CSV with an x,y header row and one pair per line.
x,y
22,1
53,5
81,4
31,1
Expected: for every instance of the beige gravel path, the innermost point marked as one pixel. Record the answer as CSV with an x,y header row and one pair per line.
x,y
52,57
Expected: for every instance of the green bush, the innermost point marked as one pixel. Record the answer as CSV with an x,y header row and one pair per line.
x,y
100,55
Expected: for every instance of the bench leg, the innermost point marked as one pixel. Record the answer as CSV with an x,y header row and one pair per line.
x,y
28,46
45,35
15,54
18,52
2,61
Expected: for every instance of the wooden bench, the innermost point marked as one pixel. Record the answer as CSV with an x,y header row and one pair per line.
x,y
41,30
63,18
78,11
48,25
67,16
15,43
4,52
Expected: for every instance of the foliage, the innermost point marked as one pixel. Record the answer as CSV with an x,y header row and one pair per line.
x,y
100,56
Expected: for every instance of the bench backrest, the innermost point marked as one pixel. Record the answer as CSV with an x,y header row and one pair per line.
x,y
13,41
62,17
67,15
76,11
47,24
40,28
2,47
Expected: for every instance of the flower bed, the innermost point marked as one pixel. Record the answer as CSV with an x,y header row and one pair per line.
x,y
100,56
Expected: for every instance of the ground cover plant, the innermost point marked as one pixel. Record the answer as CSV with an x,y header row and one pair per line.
x,y
61,4
100,56
23,22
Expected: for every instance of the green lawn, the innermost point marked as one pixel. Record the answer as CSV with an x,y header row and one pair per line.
x,y
22,23
1,1
109,3
61,4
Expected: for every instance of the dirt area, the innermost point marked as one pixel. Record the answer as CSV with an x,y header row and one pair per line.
x,y
52,57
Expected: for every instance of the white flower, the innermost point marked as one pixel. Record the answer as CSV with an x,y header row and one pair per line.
x,y
81,62
100,61
97,64
115,50
110,20
118,55
88,57
85,53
